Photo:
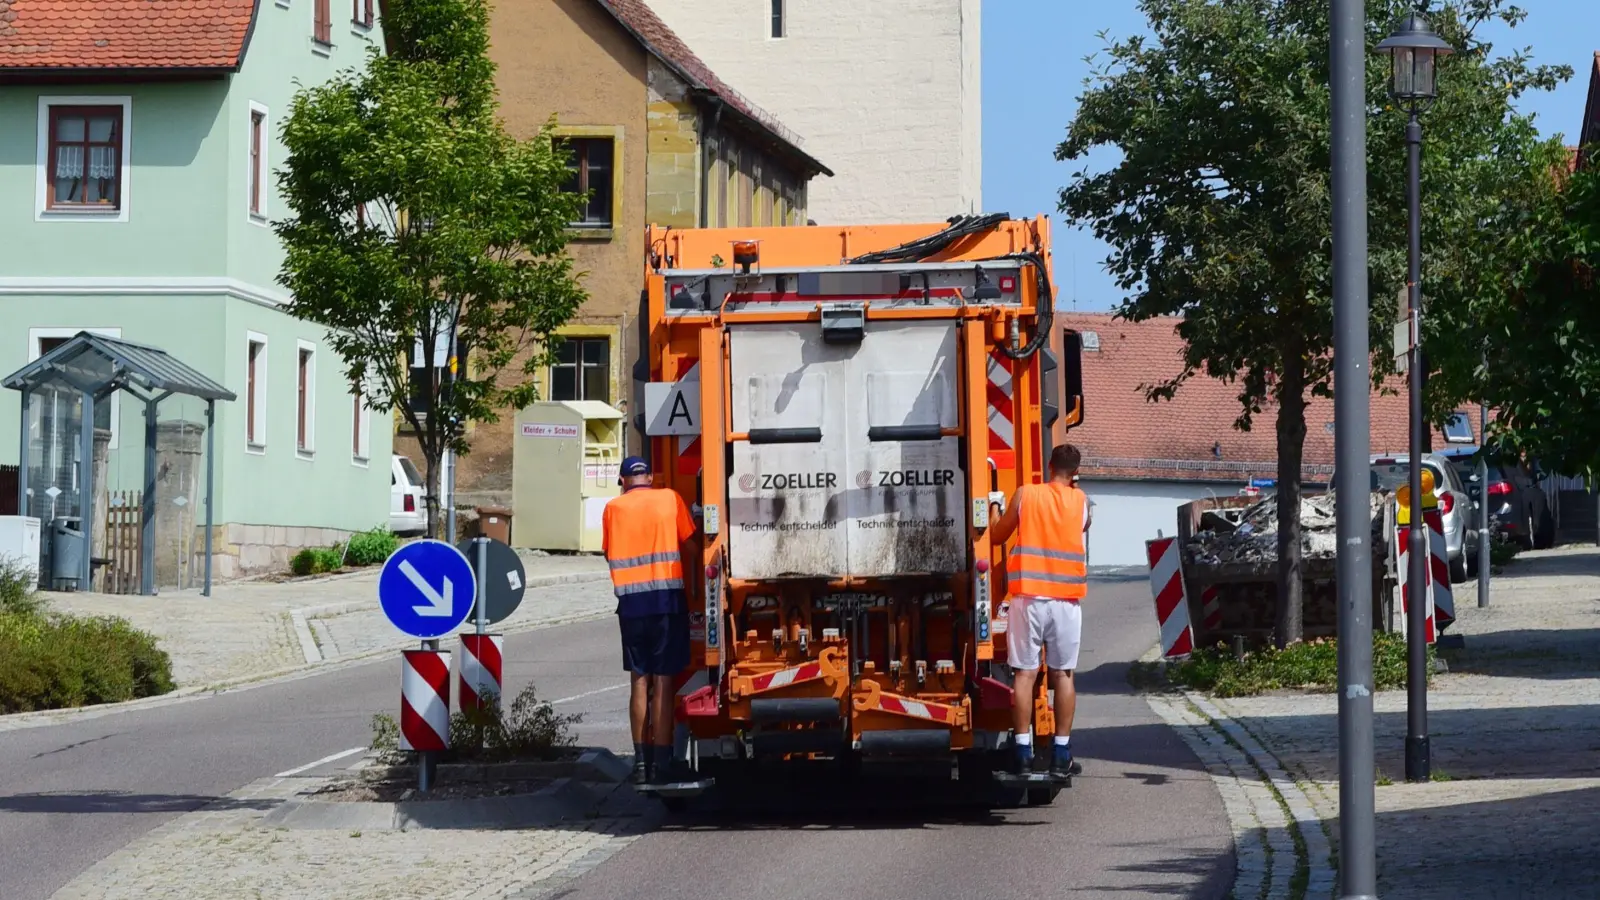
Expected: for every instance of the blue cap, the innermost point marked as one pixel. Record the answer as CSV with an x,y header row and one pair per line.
x,y
635,465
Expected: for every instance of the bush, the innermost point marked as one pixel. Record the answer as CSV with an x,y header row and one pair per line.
x,y
17,588
1312,665
51,661
531,730
317,560
371,548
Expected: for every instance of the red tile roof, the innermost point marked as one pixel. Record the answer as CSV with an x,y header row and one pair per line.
x,y
123,34
646,27
1126,436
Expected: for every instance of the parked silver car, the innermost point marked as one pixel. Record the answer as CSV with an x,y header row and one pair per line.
x,y
1455,504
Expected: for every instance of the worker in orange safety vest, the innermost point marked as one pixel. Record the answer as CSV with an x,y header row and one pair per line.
x,y
645,537
1047,578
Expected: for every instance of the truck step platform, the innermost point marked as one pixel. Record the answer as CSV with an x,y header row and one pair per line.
x,y
676,788
1032,779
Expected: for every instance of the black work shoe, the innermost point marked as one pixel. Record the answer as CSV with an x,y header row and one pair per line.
x,y
1063,765
1018,763
641,772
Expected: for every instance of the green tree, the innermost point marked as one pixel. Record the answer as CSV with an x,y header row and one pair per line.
x,y
412,209
1220,210
1542,360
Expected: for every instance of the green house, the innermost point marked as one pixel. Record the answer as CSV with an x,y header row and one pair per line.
x,y
137,148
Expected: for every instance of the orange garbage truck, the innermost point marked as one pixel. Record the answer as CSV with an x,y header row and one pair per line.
x,y
840,406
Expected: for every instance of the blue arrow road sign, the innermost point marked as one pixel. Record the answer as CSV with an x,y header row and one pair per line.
x,y
426,589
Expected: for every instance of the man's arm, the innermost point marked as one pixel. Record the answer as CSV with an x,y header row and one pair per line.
x,y
1001,531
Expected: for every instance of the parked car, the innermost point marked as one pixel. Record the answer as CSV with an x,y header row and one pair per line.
x,y
1455,504
1515,497
408,513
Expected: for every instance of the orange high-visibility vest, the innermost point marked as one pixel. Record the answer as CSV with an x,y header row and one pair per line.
x,y
642,530
1049,560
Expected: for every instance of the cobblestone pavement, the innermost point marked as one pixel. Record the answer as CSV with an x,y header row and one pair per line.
x,y
1515,736
248,629
223,852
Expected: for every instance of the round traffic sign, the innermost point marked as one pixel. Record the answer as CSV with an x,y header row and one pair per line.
x,y
426,589
504,579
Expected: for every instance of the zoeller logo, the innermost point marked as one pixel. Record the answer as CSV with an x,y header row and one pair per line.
x,y
917,478
788,481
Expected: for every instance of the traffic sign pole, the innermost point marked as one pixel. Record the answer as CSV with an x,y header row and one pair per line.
x,y
483,588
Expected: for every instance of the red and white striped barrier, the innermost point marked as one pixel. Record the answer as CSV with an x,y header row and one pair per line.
x,y
1444,598
1172,602
481,657
425,700
1002,434
1210,608
1403,570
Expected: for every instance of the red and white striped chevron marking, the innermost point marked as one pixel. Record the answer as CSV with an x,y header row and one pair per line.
x,y
1444,597
786,677
689,444
1002,430
1403,567
1172,602
481,666
916,709
1211,608
425,700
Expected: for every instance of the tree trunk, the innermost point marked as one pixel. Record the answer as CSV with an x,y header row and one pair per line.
x,y
431,462
1291,447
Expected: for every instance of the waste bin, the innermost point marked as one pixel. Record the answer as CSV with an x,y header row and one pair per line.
x,y
565,459
68,545
494,522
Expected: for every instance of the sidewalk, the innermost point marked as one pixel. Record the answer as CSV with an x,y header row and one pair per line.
x,y
1515,737
251,629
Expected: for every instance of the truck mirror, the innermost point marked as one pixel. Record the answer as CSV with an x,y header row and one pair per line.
x,y
1072,376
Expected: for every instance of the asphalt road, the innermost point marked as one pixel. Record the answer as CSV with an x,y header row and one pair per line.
x,y
1142,820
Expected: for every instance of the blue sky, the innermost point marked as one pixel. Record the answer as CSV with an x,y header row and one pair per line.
x,y
1033,69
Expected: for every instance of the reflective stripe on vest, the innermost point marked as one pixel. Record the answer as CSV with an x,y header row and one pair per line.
x,y
649,572
1049,558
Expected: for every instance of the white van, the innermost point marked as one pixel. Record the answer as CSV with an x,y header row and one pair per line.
x,y
408,510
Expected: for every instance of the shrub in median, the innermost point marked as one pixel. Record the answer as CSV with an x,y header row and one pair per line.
x,y
373,547
57,661
1308,665
530,730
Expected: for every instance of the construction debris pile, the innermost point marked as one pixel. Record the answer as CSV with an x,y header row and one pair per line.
x,y
1251,535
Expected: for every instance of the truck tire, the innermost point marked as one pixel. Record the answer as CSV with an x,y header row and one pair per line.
x,y
1458,568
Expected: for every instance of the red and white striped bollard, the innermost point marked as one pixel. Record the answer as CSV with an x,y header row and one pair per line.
x,y
425,700
481,668
1172,601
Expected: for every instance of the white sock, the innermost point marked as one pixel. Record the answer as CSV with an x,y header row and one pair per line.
x,y
1062,739
1024,739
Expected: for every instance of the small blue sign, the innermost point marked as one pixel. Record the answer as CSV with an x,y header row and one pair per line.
x,y
426,589
1263,482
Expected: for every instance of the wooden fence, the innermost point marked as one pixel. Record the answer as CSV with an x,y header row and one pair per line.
x,y
124,543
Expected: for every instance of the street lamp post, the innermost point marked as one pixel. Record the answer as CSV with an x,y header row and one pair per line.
x,y
1413,49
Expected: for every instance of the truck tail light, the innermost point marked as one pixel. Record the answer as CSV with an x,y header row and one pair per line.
x,y
1500,488
411,503
1447,502
981,565
712,572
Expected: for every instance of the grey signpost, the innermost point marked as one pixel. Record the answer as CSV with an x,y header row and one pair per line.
x,y
1352,376
1483,505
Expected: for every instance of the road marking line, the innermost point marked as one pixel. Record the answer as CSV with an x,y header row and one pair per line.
x,y
614,687
321,762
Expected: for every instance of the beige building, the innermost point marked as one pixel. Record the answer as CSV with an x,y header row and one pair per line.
x,y
656,137
887,91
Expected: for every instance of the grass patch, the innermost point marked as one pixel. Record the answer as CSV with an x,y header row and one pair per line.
x,y
1384,780
1308,665
57,661
530,730
365,548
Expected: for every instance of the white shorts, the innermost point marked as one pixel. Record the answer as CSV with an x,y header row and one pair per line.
x,y
1036,621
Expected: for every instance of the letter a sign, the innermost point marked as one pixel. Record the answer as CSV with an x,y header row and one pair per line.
x,y
672,407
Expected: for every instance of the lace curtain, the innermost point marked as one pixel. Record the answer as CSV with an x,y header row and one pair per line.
x,y
102,162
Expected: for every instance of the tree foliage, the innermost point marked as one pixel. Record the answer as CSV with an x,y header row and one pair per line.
x,y
411,208
1542,366
1220,208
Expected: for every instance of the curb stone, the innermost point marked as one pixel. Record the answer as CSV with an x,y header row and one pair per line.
x,y
1266,807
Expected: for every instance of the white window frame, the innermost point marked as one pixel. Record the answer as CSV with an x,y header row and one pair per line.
x,y
41,162
309,439
1466,423
35,335
263,369
361,424
258,218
